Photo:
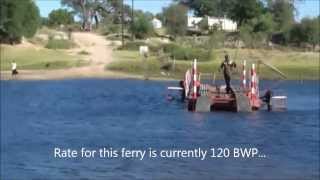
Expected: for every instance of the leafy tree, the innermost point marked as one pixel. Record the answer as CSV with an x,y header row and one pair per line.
x,y
297,35
312,29
31,20
81,7
203,24
160,16
60,16
244,10
97,9
202,7
264,23
209,7
307,31
142,26
149,15
257,30
18,18
283,17
44,21
283,14
176,19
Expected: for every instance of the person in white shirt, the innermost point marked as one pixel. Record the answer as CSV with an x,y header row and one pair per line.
x,y
14,68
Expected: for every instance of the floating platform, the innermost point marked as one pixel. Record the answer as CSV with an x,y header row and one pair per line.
x,y
236,101
211,97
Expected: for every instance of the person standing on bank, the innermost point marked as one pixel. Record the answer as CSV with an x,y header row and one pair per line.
x,y
14,68
226,67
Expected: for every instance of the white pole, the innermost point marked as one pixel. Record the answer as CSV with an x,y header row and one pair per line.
x,y
244,75
253,80
195,79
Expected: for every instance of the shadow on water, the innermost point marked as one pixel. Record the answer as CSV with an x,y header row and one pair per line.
x,y
40,115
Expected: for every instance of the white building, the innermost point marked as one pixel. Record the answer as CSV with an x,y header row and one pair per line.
x,y
193,22
157,24
224,23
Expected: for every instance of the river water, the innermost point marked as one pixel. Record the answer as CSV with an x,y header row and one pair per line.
x,y
37,116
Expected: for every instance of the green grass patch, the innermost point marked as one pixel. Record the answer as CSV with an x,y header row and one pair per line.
x,y
131,62
132,46
126,55
186,53
59,44
135,46
295,65
30,58
173,50
83,52
151,66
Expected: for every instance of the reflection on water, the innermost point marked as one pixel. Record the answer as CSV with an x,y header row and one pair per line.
x,y
37,116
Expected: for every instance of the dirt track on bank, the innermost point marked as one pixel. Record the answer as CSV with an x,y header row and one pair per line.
x,y
100,55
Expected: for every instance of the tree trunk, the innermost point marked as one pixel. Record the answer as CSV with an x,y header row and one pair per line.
x,y
84,16
96,19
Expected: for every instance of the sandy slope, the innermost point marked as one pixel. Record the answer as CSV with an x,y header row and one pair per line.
x,y
97,46
100,55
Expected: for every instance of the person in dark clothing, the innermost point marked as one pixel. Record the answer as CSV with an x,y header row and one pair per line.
x,y
267,99
183,93
226,67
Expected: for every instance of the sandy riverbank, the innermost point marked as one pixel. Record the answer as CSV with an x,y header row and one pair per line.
x,y
73,73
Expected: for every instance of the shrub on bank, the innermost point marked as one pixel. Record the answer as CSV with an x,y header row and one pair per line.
x,y
151,66
173,50
134,46
83,52
59,44
186,53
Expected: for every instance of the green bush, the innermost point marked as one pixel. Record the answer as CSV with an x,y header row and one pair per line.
x,y
136,67
60,16
134,46
83,52
186,53
109,29
172,49
141,27
59,44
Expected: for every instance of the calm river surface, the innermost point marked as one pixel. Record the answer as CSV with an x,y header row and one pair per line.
x,y
37,116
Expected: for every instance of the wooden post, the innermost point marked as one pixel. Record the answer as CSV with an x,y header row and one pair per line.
x,y
122,22
174,65
132,19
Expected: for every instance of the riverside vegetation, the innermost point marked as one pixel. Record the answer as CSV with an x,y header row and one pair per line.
x,y
266,32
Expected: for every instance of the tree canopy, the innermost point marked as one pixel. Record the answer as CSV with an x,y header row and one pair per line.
x,y
142,26
209,7
307,31
176,19
242,11
283,13
97,9
60,17
18,18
